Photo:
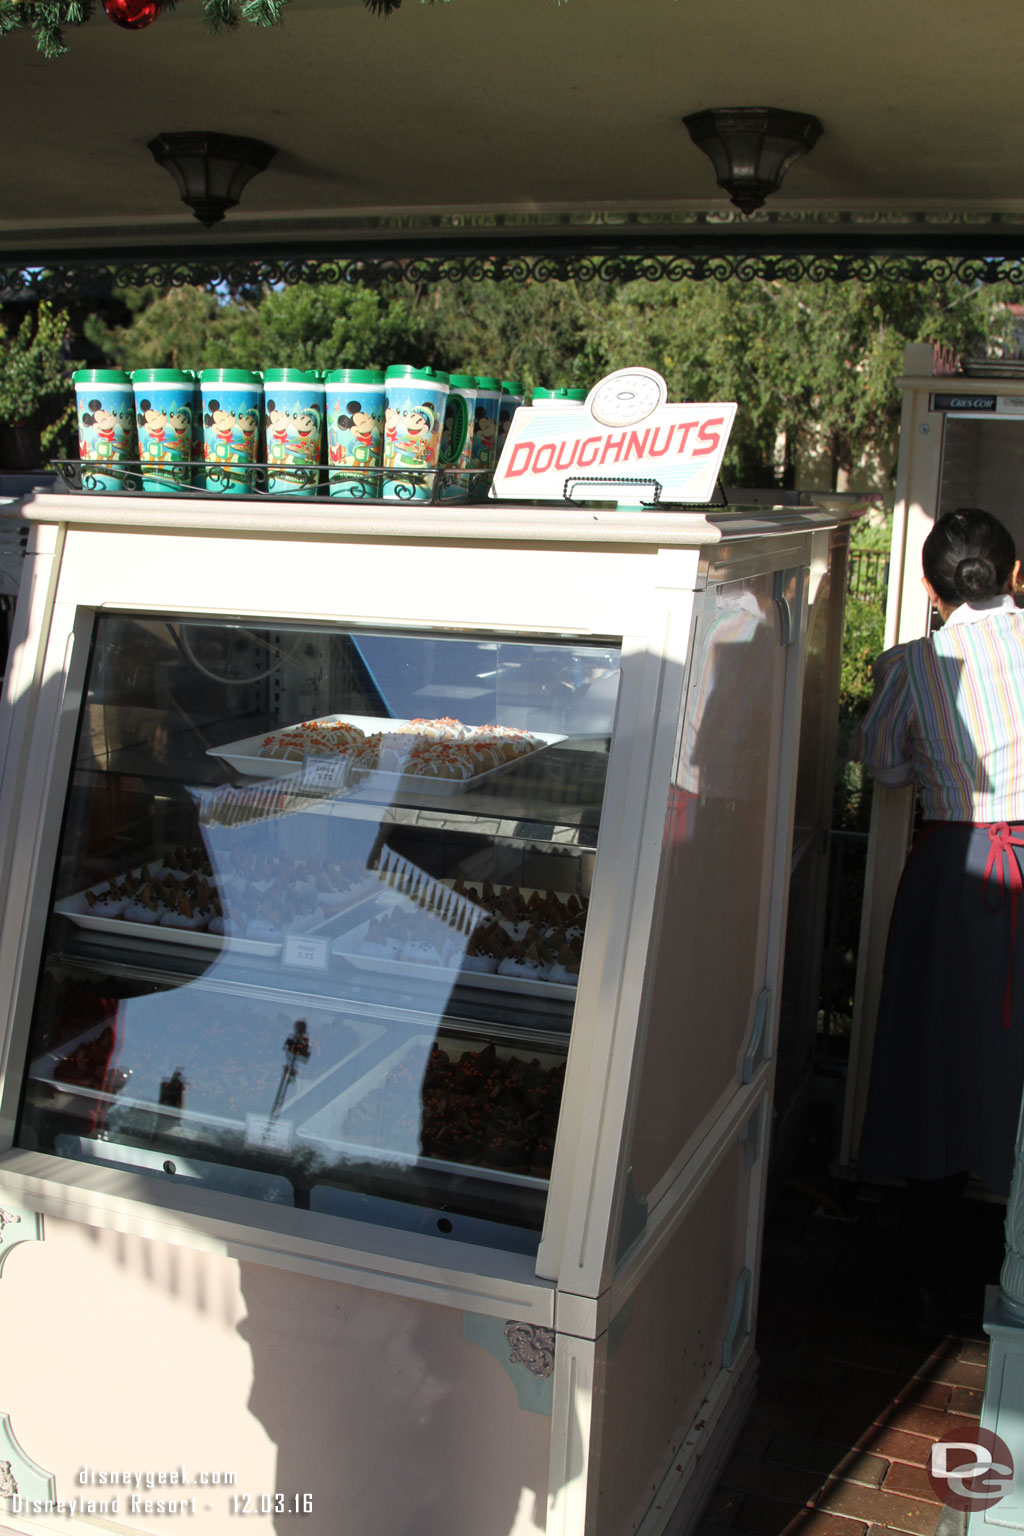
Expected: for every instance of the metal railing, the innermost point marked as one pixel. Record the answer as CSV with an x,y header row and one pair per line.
x,y
867,575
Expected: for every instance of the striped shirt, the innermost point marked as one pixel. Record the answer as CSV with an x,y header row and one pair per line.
x,y
948,711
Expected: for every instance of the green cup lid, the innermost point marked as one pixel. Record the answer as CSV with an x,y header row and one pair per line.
x,y
407,371
229,376
292,376
444,377
484,382
101,376
560,394
161,376
462,380
354,376
512,387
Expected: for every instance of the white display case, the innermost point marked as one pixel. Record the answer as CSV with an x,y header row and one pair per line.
x,y
509,1291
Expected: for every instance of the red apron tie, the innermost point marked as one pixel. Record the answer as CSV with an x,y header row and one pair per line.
x,y
1004,869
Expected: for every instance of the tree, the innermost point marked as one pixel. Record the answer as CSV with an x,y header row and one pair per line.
x,y
813,366
35,380
810,364
306,326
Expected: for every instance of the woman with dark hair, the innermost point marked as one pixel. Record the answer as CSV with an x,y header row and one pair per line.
x,y
948,714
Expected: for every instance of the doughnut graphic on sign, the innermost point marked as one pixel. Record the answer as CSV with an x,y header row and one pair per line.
x,y
626,397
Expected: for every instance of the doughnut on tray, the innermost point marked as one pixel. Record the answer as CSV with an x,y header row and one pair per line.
x,y
392,1134
123,931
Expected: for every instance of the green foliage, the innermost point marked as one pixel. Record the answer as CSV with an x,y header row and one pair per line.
x,y
807,362
863,633
35,375
863,639
541,333
813,366
48,18
302,327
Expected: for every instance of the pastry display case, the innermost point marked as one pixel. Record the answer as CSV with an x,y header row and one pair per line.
x,y
391,962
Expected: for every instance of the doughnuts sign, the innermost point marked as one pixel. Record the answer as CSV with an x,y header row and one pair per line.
x,y
624,443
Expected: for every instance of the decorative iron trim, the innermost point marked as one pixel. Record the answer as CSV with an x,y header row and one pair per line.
x,y
531,1346
66,280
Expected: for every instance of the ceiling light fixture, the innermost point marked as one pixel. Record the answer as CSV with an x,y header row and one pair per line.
x,y
211,169
752,148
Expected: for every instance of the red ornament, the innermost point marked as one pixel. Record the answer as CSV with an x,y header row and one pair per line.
x,y
132,14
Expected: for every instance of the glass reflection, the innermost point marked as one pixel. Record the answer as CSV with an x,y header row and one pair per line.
x,y
310,943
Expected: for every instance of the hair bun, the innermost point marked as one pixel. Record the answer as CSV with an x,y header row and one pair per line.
x,y
976,578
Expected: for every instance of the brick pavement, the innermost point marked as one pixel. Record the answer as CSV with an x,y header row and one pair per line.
x,y
849,1402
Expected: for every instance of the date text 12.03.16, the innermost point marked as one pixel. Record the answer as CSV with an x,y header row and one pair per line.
x,y
270,1504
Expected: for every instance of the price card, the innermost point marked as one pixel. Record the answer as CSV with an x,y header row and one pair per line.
x,y
325,772
276,1135
304,952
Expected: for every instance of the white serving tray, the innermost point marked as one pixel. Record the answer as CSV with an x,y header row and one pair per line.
x,y
320,1127
347,946
76,909
244,757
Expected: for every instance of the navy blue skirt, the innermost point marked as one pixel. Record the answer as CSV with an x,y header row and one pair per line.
x,y
948,1065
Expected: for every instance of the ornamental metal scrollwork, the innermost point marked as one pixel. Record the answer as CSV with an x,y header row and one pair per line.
x,y
531,1346
654,259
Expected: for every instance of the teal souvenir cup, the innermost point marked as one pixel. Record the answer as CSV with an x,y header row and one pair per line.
x,y
513,395
232,400
293,405
414,406
558,397
105,407
486,416
165,423
457,435
354,402
197,428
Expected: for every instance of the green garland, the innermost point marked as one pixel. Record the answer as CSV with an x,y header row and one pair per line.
x,y
48,18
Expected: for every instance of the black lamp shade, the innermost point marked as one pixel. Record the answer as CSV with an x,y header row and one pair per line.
x,y
752,148
211,169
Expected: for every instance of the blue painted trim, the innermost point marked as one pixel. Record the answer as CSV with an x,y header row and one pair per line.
x,y
17,1225
739,1319
534,1394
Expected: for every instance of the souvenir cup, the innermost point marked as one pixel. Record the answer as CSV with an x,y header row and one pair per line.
x,y
164,407
355,430
231,406
457,436
513,395
105,407
414,406
293,403
557,397
486,413
197,428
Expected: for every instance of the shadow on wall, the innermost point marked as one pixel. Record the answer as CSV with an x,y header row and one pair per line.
x,y
386,1415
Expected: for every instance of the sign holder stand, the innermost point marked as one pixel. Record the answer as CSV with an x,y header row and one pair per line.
x,y
718,497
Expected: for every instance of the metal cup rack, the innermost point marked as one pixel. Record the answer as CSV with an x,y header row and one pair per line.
x,y
196,478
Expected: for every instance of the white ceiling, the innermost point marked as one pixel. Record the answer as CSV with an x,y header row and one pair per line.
x,y
478,107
